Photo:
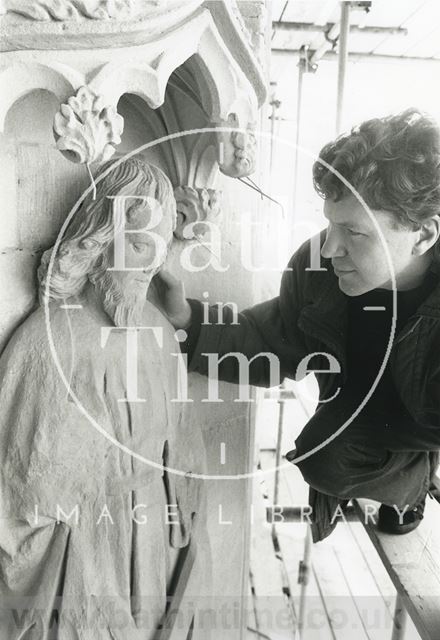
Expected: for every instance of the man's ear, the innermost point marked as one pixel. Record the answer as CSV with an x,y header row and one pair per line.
x,y
428,235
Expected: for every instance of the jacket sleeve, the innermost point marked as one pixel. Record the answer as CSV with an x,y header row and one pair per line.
x,y
427,408
428,415
261,333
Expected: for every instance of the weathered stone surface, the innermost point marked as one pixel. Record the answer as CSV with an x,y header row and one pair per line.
x,y
8,189
88,426
17,288
67,10
213,73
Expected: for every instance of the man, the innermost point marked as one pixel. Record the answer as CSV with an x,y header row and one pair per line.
x,y
345,314
92,519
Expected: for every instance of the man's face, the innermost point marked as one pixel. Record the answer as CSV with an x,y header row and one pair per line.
x,y
357,252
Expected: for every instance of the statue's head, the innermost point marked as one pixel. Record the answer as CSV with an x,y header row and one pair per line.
x,y
117,242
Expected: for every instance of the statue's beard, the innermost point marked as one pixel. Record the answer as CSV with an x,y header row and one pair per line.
x,y
124,307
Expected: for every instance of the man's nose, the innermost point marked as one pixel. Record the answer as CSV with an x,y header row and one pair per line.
x,y
333,246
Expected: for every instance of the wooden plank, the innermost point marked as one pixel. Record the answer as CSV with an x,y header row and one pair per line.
x,y
316,621
323,601
251,630
374,563
413,563
273,615
368,560
373,611
379,574
344,616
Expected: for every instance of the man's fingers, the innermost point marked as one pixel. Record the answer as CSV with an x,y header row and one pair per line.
x,y
169,287
167,279
171,300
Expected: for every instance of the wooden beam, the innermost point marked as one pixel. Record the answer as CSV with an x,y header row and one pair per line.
x,y
413,564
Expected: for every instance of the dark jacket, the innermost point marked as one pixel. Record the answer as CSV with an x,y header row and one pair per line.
x,y
309,316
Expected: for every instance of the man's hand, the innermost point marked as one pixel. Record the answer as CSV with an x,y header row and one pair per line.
x,y
167,293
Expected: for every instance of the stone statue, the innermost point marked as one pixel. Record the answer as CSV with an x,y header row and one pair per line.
x,y
91,533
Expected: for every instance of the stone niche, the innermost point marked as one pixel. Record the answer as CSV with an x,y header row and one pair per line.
x,y
143,70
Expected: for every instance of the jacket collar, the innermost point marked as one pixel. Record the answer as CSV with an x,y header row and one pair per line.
x,y
327,316
331,302
431,306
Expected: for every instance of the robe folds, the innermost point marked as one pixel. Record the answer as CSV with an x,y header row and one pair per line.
x,y
90,535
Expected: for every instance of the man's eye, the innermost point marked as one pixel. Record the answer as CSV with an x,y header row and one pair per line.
x,y
355,233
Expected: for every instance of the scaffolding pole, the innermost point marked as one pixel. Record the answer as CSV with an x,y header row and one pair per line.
x,y
342,61
301,70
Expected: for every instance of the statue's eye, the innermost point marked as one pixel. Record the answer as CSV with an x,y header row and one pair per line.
x,y
88,244
139,247
133,212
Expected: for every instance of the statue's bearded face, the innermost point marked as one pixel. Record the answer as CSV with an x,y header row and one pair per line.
x,y
131,262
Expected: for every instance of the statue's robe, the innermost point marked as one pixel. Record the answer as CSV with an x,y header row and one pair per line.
x,y
96,573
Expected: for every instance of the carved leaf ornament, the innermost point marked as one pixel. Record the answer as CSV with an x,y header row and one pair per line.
x,y
195,205
86,129
71,9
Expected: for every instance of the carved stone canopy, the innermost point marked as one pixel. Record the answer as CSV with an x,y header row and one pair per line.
x,y
66,10
84,24
63,10
191,69
61,24
126,10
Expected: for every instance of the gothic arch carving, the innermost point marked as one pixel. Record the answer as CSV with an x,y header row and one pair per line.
x,y
202,67
20,78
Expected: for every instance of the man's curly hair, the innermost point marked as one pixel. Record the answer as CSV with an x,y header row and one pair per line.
x,y
392,162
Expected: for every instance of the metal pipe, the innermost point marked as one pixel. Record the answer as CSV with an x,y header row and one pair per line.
x,y
303,579
299,95
364,57
331,35
278,450
280,18
275,105
316,28
342,61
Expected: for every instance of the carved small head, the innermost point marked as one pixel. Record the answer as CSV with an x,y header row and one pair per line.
x,y
237,149
117,241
